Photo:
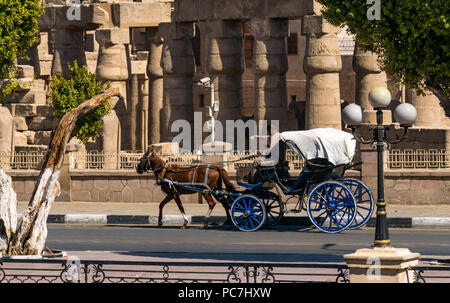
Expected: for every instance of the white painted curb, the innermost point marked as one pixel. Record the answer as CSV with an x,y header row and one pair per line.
x,y
170,219
430,222
86,218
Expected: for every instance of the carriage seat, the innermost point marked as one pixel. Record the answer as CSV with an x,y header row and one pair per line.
x,y
315,171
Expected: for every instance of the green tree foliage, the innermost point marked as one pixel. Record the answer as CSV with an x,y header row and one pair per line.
x,y
19,29
411,38
81,85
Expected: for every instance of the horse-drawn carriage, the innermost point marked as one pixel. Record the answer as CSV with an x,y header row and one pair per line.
x,y
333,203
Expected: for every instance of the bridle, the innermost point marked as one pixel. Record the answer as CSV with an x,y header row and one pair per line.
x,y
149,163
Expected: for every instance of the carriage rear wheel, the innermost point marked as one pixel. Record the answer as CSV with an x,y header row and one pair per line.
x,y
248,213
274,208
331,207
364,201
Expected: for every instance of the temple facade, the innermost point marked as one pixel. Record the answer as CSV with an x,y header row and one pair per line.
x,y
268,60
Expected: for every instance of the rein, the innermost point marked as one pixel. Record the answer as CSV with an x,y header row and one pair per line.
x,y
167,168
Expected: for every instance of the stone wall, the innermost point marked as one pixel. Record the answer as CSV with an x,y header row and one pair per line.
x,y
413,187
117,186
409,187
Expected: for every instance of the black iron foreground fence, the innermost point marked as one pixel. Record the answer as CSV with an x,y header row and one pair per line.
x,y
76,271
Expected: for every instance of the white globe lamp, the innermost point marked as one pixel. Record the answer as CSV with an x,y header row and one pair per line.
x,y
379,97
405,114
352,114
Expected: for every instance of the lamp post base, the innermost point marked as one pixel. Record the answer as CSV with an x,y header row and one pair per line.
x,y
381,265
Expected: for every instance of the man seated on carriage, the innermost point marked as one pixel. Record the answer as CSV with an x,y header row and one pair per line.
x,y
281,165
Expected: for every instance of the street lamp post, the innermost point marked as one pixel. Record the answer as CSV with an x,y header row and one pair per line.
x,y
405,114
213,107
381,262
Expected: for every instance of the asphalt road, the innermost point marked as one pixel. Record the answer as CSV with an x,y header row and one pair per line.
x,y
280,243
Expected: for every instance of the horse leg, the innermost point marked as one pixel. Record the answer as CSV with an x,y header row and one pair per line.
x,y
161,206
227,211
211,204
181,208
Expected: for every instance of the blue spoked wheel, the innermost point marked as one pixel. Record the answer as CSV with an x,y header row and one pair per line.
x,y
331,207
248,213
364,201
274,208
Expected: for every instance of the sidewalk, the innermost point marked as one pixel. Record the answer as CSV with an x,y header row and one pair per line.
x,y
407,216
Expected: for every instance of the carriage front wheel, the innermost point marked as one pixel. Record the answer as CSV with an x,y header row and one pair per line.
x,y
331,207
248,213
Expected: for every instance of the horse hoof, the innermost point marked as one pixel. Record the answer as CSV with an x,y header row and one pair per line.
x,y
160,225
205,226
183,227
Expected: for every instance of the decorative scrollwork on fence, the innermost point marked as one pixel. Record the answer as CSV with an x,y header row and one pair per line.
x,y
342,276
268,276
98,274
233,276
2,273
418,278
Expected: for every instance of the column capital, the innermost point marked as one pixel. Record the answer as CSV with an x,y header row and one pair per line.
x,y
153,35
177,31
224,28
112,36
317,25
263,29
364,61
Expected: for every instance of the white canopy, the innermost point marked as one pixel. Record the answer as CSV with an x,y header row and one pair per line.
x,y
335,145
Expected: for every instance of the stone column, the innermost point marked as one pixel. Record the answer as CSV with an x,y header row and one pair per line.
x,y
133,110
178,65
322,64
270,66
143,117
155,76
368,76
6,137
68,47
225,65
429,111
113,65
447,148
111,140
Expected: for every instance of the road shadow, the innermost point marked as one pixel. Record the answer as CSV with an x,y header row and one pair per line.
x,y
283,228
237,257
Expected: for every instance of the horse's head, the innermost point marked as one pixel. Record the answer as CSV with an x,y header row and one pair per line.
x,y
149,161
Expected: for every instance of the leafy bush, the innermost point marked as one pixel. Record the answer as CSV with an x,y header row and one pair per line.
x,y
80,86
19,29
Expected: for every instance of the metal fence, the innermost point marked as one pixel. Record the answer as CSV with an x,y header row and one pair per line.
x,y
22,160
127,160
130,160
73,270
76,271
418,159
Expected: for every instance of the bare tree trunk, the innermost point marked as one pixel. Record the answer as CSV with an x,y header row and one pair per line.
x,y
31,233
8,211
443,99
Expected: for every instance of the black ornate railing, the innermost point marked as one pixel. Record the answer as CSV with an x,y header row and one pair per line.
x,y
431,274
72,270
76,271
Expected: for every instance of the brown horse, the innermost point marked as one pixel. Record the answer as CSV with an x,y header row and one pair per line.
x,y
211,175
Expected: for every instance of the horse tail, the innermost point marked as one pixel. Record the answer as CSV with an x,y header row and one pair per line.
x,y
223,177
